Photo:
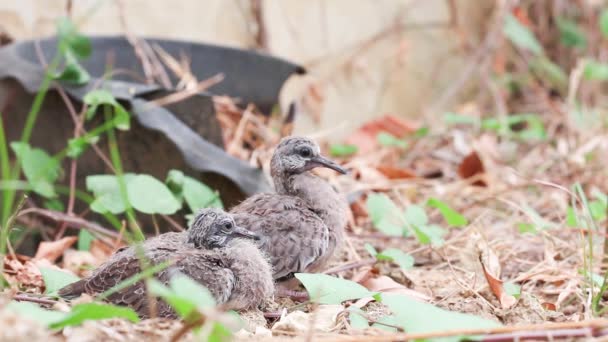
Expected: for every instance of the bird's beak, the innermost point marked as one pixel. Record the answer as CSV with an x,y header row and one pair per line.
x,y
328,163
244,233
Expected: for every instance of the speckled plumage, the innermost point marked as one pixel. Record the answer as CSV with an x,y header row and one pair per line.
x,y
233,269
302,224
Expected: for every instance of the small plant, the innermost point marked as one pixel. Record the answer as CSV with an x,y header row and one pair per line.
x,y
391,220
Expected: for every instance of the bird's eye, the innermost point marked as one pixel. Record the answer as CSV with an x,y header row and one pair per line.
x,y
228,225
306,152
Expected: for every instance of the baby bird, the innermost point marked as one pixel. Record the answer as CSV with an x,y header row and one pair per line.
x,y
301,225
214,251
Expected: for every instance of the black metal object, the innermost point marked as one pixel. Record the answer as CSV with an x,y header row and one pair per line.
x,y
185,135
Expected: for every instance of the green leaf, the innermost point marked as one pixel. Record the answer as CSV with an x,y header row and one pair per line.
x,y
571,218
385,323
603,22
421,132
405,261
106,190
385,215
199,195
196,292
526,228
122,120
430,234
219,333
417,317
185,295
94,311
452,217
99,97
549,71
182,306
595,70
389,140
73,72
54,204
325,289
71,40
416,216
521,36
40,169
598,210
357,318
149,195
175,183
76,147
570,34
533,127
459,119
84,240
36,313
370,249
342,150
55,279
512,289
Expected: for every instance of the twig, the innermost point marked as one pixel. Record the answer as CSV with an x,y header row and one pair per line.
x,y
173,223
594,328
72,221
350,266
26,298
182,95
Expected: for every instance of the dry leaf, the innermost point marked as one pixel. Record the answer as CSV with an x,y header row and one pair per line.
x,y
24,275
79,262
52,250
365,138
322,319
492,273
386,284
392,172
549,306
101,251
471,166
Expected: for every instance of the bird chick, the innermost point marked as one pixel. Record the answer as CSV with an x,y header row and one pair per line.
x,y
301,225
214,251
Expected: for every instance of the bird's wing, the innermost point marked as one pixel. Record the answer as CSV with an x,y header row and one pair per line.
x,y
208,269
293,236
121,266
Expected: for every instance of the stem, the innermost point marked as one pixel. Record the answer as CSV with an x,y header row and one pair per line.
x,y
6,170
115,157
27,130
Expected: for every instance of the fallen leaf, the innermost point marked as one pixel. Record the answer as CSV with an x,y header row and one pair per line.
x,y
79,262
358,208
322,319
549,306
52,250
392,172
386,284
471,166
25,275
102,251
491,270
365,138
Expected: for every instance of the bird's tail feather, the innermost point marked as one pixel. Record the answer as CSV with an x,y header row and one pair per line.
x,y
72,290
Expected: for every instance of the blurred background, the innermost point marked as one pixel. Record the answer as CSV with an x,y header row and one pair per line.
x,y
365,58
